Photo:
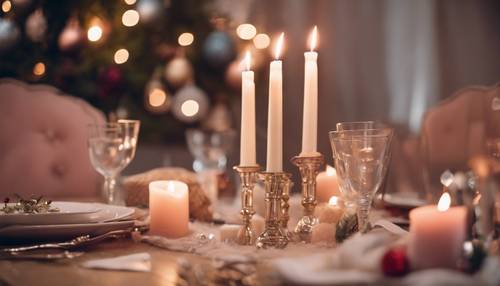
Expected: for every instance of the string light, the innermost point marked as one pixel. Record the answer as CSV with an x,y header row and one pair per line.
x,y
121,56
190,108
39,69
246,31
185,39
130,18
6,6
157,97
130,2
94,33
261,41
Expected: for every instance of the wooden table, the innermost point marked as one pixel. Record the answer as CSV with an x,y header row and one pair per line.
x,y
165,269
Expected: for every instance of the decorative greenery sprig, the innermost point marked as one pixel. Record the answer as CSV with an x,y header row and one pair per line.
x,y
28,206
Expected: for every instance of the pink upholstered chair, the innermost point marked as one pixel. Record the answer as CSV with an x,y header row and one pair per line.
x,y
43,142
456,130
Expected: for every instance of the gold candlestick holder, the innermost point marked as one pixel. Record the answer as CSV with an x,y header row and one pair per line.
x,y
285,207
309,168
273,235
248,177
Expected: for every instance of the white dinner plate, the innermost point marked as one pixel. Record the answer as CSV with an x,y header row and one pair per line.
x,y
19,233
69,213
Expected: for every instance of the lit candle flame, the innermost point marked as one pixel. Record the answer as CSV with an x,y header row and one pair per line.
x,y
330,171
444,202
248,59
333,201
313,38
279,45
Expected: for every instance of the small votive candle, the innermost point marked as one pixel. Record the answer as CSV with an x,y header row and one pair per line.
x,y
169,208
331,212
437,235
323,232
327,185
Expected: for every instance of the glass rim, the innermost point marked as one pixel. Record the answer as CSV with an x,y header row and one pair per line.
x,y
127,121
107,125
359,134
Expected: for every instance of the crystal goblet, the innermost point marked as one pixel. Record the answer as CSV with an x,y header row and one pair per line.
x,y
361,158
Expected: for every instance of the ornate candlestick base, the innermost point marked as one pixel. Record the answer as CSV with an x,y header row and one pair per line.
x,y
248,176
309,168
285,206
273,235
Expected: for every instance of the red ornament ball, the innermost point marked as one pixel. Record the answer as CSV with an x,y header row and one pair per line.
x,y
395,262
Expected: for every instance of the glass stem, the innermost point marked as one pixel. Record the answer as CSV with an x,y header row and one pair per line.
x,y
364,204
109,189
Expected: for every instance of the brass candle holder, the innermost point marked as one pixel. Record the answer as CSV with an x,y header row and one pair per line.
x,y
309,167
248,177
285,207
273,235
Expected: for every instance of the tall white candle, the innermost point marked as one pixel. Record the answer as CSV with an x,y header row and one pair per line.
x,y
274,161
310,115
247,143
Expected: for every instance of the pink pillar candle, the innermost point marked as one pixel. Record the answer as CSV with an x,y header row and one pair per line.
x,y
437,234
169,208
327,185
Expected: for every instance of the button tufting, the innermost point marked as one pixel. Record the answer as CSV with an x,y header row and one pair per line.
x,y
58,170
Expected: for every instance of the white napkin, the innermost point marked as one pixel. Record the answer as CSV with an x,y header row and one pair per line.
x,y
134,262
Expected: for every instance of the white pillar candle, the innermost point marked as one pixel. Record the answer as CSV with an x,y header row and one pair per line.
x,y
274,162
437,234
169,208
327,185
247,143
310,114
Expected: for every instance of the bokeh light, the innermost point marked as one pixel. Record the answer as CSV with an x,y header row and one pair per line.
x,y
190,108
121,56
6,6
157,97
130,2
94,33
39,69
261,41
246,31
130,18
185,39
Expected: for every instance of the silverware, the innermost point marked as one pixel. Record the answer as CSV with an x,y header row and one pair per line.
x,y
78,242
40,256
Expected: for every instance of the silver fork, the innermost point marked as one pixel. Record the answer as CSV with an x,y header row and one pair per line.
x,y
78,242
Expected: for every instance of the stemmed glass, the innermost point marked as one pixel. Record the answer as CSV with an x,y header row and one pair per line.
x,y
111,148
361,158
347,194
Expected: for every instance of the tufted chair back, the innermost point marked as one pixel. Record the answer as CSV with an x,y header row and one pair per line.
x,y
456,130
43,142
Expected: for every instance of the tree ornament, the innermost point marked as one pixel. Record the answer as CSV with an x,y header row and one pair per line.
x,y
190,104
71,36
156,98
9,34
178,71
36,26
219,49
219,118
233,74
149,10
109,81
395,262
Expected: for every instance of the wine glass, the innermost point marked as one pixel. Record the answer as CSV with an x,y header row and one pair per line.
x,y
349,198
111,148
361,158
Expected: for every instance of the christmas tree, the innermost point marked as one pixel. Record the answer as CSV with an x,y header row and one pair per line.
x,y
163,62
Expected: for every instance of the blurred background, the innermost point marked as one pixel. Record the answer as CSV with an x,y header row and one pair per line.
x,y
175,65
